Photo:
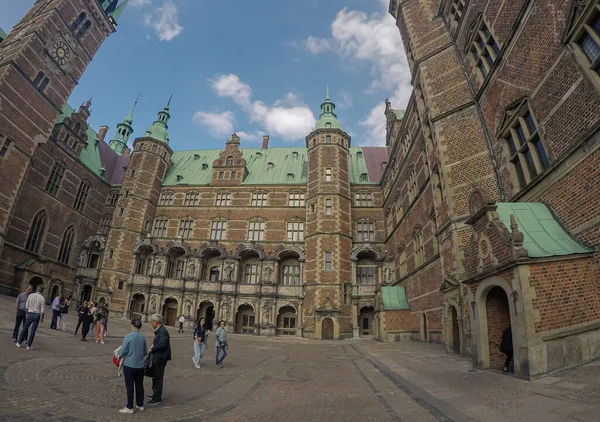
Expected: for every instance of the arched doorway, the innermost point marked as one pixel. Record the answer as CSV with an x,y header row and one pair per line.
x,y
327,329
424,333
170,311
244,319
455,331
86,293
498,319
286,321
137,305
365,321
35,282
54,292
206,310
102,300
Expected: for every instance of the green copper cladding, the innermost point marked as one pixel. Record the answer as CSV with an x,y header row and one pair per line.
x,y
124,130
394,298
328,118
2,34
158,130
116,15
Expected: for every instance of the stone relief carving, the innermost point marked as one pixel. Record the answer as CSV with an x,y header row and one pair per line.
x,y
266,312
268,273
188,307
225,308
387,275
192,270
153,305
228,271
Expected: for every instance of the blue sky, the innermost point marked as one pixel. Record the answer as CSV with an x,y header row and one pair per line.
x,y
258,67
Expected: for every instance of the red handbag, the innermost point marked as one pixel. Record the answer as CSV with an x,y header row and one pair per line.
x,y
115,361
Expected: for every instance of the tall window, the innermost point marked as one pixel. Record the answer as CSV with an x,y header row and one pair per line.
x,y
233,174
347,291
365,231
214,274
221,175
160,227
251,272
65,247
112,198
484,50
296,200
256,230
365,275
218,230
527,154
295,231
185,228
363,199
191,199
53,182
41,81
327,261
457,9
403,264
83,29
328,208
328,175
105,223
78,21
36,232
412,185
82,194
4,147
223,199
166,198
229,161
419,249
291,275
259,199
589,41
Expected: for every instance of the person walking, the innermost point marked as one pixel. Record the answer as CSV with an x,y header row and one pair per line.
x,y
87,320
101,317
506,347
21,312
200,342
133,351
181,321
221,338
80,316
55,311
36,304
64,311
93,310
161,354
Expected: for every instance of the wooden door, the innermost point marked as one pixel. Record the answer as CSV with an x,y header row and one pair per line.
x,y
327,329
170,317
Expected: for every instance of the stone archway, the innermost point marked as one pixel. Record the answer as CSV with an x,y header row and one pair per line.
x,y
35,282
498,319
137,306
286,321
245,319
54,291
86,293
170,311
366,321
206,310
327,329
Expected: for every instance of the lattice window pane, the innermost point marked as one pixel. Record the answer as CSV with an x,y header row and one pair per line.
x,y
66,245
53,182
36,232
81,197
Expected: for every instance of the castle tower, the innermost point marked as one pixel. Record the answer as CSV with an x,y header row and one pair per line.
x,y
135,210
329,235
41,61
124,130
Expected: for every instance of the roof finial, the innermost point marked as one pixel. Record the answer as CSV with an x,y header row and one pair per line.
x,y
327,92
129,119
169,102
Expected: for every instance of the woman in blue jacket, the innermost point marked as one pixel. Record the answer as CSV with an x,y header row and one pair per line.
x,y
133,351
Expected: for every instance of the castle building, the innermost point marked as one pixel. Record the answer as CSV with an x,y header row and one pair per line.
x,y
479,214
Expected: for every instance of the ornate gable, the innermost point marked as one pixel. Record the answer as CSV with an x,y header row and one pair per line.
x,y
511,111
71,133
230,168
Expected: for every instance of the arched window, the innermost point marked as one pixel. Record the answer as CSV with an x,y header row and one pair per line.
x,y
83,29
65,246
36,232
44,83
38,79
229,161
77,128
78,21
214,274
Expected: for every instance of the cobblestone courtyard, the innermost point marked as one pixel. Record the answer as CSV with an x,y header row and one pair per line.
x,y
280,379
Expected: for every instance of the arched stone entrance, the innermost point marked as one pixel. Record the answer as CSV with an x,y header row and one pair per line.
x,y
244,319
86,293
498,318
286,321
35,282
169,311
206,309
55,291
365,321
455,331
137,306
327,329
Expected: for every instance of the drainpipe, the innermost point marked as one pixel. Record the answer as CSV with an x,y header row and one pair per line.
x,y
478,108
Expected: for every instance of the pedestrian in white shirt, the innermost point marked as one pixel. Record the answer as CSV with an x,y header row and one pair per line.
x,y
181,321
35,314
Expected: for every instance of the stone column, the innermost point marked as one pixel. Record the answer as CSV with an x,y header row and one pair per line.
x,y
354,292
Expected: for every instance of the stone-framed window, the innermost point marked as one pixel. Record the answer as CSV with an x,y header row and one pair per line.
x,y
365,231
112,198
290,274
328,207
41,81
223,199
186,228
218,230
524,147
5,145
328,261
256,231
251,273
66,245
328,175
56,176
484,49
456,13
75,24
83,29
295,231
259,199
585,40
419,249
166,198
221,175
363,199
105,223
346,293
438,186
36,232
160,227
412,185
191,199
82,194
403,264
296,199
214,273
229,161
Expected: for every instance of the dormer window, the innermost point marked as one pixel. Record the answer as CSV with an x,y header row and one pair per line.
x,y
359,154
179,178
295,154
364,177
204,166
328,139
270,165
290,176
229,161
196,157
77,128
258,154
328,125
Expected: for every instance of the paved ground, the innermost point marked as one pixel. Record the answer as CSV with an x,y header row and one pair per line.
x,y
284,379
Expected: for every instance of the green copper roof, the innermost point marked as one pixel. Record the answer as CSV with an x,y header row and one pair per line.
x,y
394,298
328,118
2,34
116,15
124,130
195,167
158,130
543,234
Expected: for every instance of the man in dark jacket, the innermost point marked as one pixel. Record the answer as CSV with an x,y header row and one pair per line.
x,y
161,354
506,347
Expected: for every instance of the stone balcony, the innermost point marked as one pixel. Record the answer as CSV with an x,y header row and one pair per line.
x,y
87,273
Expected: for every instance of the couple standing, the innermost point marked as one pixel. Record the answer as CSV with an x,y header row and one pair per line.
x,y
201,341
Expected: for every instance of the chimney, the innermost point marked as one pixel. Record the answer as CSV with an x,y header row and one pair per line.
x,y
265,142
102,133
126,151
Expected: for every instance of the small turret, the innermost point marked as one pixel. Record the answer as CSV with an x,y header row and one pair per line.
x,y
328,118
158,130
124,130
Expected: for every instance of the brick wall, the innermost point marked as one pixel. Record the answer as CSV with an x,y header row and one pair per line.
x,y
498,318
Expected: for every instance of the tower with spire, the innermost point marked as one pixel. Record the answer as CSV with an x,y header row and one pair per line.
x,y
328,238
124,130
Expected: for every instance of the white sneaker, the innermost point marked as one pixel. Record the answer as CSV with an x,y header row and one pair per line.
x,y
29,348
140,408
101,342
197,366
126,410
18,344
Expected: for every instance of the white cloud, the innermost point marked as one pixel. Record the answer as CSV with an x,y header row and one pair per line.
x,y
345,100
139,3
218,124
164,20
316,45
288,118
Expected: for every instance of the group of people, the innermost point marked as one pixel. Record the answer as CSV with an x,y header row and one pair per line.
x,y
133,355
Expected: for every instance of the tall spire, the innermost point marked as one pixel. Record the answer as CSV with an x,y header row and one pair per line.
x,y
116,15
328,118
124,130
158,130
129,119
